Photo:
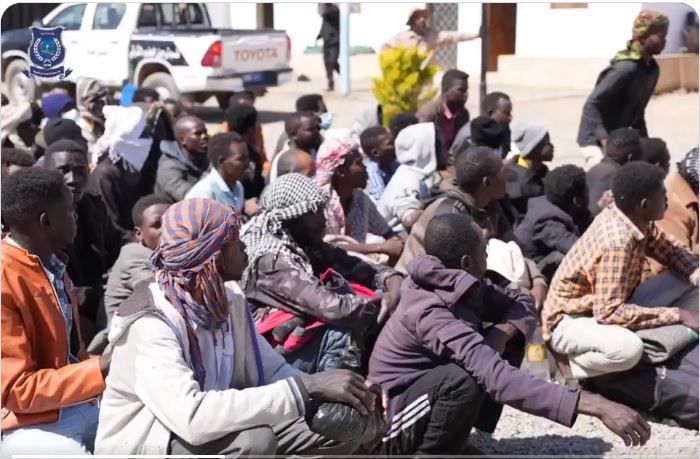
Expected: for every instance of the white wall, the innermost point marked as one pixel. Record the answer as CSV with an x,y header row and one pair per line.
x,y
676,15
600,30
371,27
469,53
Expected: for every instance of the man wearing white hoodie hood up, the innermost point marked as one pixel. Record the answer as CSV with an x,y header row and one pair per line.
x,y
403,199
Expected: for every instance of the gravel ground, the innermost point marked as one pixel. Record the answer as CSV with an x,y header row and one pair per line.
x,y
525,435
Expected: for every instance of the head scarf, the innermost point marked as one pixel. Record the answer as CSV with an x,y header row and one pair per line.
x,y
330,157
688,168
194,232
648,22
122,138
290,196
92,97
53,104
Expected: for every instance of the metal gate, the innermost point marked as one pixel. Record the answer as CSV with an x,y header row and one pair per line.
x,y
445,16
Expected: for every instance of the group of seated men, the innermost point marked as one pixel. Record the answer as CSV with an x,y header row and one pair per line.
x,y
215,285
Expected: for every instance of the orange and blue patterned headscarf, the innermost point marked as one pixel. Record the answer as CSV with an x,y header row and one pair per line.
x,y
194,232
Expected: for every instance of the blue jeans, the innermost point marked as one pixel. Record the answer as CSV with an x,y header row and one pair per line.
x,y
78,422
327,345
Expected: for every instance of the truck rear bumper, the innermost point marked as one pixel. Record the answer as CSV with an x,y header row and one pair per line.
x,y
235,82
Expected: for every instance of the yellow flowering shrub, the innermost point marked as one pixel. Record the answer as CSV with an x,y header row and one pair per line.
x,y
405,83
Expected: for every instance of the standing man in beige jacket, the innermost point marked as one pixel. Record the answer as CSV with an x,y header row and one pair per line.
x,y
421,36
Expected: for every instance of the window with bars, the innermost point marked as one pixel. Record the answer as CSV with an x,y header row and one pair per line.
x,y
445,16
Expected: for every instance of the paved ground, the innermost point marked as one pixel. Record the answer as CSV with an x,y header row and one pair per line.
x,y
521,434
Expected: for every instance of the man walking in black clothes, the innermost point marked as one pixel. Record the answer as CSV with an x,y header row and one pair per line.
x,y
330,33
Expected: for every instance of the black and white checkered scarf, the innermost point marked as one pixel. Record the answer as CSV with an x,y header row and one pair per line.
x,y
287,198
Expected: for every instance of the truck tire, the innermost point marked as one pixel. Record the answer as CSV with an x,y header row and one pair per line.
x,y
164,84
19,87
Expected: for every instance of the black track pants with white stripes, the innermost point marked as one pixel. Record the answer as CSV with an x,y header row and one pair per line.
x,y
435,414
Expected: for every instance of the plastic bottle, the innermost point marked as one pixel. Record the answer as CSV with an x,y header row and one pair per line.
x,y
536,360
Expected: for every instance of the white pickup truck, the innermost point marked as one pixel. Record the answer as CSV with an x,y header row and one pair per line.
x,y
170,47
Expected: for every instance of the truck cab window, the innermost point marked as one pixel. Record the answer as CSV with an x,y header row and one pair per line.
x,y
108,16
148,16
70,18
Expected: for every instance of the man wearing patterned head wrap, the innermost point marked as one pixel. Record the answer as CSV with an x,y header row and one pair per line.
x,y
91,99
341,172
288,257
624,88
187,359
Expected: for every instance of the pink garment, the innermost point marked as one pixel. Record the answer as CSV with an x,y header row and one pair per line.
x,y
331,155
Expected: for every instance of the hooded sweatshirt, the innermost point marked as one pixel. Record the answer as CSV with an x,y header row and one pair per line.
x,y
439,321
416,175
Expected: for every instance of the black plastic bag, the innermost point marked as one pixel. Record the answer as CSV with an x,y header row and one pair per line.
x,y
341,422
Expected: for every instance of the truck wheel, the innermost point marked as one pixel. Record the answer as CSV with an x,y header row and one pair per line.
x,y
223,98
164,84
19,87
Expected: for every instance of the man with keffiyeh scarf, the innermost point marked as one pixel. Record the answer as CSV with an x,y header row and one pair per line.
x,y
288,258
624,88
190,374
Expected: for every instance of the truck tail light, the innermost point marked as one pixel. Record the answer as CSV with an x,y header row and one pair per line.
x,y
289,48
212,58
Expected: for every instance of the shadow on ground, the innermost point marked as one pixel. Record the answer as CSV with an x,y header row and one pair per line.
x,y
216,115
546,445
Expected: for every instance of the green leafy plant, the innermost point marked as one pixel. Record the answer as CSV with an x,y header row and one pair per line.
x,y
406,82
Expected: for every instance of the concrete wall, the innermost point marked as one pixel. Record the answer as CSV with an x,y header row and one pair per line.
x,y
371,27
469,53
599,30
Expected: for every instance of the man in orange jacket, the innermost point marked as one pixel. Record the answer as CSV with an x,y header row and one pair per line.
x,y
49,384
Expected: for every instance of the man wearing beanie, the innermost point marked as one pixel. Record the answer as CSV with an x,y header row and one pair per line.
x,y
63,129
528,166
624,88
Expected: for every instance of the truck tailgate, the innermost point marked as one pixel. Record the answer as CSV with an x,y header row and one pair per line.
x,y
255,52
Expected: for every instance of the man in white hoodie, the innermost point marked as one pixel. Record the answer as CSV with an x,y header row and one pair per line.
x,y
190,374
417,149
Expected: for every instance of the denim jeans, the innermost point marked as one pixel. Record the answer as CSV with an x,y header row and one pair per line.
x,y
78,422
327,345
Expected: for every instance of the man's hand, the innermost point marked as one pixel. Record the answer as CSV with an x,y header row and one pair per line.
x,y
603,144
382,401
393,247
689,319
625,422
606,199
538,294
342,386
391,297
251,207
498,336
693,279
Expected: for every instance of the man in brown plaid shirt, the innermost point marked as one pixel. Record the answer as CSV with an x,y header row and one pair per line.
x,y
588,314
